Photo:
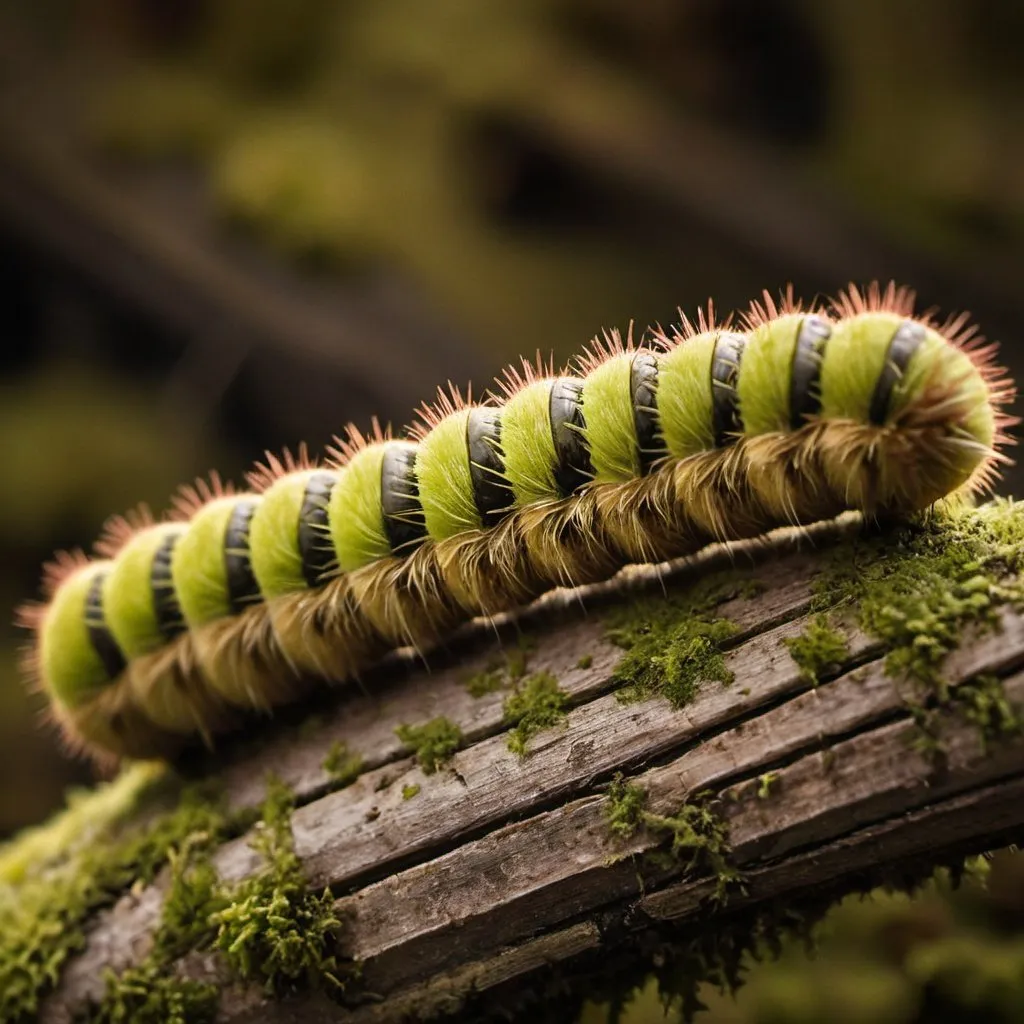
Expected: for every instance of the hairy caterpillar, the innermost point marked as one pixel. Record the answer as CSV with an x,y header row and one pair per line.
x,y
241,601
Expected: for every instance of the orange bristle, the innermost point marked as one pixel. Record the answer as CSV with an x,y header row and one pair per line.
x,y
348,445
767,308
430,414
852,301
514,378
119,529
608,346
192,497
265,473
704,322
60,567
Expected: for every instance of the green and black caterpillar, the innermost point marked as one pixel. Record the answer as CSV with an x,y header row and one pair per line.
x,y
241,601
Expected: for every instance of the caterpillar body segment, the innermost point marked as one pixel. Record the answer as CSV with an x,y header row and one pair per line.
x,y
235,646
292,557
640,453
82,670
142,609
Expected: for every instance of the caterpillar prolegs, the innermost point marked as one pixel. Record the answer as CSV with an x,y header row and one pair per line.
x,y
637,453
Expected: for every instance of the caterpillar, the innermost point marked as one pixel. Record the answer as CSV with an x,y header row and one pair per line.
x,y
242,600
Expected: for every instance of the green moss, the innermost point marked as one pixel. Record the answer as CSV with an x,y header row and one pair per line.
x,y
673,664
433,743
765,784
585,662
273,929
698,836
624,807
517,658
820,649
269,928
341,765
487,680
410,790
536,704
980,701
151,992
194,896
82,865
149,995
919,588
673,643
983,701
508,667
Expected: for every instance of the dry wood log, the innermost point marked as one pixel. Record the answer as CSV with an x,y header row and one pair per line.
x,y
499,876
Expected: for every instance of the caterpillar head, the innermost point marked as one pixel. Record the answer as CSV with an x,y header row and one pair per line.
x,y
76,661
929,394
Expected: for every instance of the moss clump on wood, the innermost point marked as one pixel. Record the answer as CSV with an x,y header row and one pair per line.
x,y
269,928
536,704
341,765
698,835
148,995
980,701
673,643
272,927
919,588
624,807
433,743
56,876
410,790
487,680
819,650
766,784
151,992
504,669
983,701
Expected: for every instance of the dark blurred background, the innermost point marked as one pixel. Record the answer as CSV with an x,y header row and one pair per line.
x,y
230,226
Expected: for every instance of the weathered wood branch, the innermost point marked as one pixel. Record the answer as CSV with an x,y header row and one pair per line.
x,y
457,884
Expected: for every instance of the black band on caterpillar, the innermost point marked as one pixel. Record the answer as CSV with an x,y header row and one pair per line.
x,y
491,493
566,412
805,379
243,589
725,371
905,342
169,619
314,543
643,382
400,499
100,637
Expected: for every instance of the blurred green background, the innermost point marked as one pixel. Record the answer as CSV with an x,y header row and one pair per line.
x,y
232,225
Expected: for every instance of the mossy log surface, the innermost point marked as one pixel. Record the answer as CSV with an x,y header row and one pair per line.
x,y
816,750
